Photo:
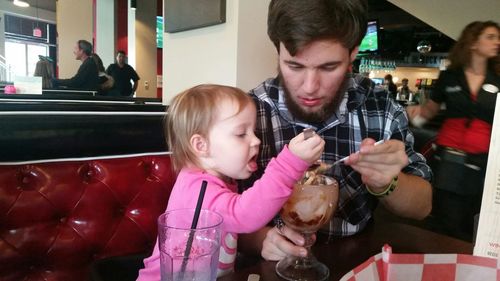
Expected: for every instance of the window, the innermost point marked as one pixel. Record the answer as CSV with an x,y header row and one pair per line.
x,y
22,57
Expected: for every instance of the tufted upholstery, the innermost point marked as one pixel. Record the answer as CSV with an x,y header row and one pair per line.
x,y
56,218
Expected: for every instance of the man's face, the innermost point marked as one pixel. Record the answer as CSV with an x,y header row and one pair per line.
x,y
120,58
314,77
78,52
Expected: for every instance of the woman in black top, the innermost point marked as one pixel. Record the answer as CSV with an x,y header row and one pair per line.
x,y
469,89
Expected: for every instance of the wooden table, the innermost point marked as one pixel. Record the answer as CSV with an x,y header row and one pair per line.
x,y
343,254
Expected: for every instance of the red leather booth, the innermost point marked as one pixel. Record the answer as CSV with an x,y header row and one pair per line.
x,y
68,197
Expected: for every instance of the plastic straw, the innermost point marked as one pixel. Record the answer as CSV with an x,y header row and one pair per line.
x,y
193,228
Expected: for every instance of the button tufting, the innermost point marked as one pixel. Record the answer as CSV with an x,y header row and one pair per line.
x,y
120,211
27,178
76,203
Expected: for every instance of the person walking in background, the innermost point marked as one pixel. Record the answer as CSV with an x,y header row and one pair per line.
x,y
390,86
469,89
87,77
316,42
123,73
201,124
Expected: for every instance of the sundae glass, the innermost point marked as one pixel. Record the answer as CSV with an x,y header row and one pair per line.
x,y
311,205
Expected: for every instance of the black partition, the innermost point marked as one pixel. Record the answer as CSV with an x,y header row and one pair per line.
x,y
38,128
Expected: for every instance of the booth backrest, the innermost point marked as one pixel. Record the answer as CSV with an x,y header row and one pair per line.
x,y
57,218
78,183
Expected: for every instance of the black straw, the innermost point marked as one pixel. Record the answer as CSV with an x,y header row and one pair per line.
x,y
193,228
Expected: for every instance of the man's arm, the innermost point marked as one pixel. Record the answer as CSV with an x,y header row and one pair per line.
x,y
134,86
80,76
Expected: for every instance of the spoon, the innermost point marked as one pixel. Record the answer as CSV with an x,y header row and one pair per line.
x,y
324,166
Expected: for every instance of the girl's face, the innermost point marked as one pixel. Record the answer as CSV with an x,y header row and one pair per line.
x,y
488,43
232,144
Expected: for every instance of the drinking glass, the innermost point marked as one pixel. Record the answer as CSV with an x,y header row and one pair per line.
x,y
310,206
189,254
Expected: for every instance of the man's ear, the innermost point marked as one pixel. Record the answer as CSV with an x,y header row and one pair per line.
x,y
354,53
199,144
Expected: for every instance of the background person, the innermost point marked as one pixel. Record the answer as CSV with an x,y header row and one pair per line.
x,y
404,91
468,88
201,124
43,69
390,86
123,73
106,82
87,77
317,41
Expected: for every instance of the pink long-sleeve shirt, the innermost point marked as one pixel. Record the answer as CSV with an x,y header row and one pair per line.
x,y
241,213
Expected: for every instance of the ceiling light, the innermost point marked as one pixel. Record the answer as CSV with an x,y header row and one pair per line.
x,y
22,4
133,4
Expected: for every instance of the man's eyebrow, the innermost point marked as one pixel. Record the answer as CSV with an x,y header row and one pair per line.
x,y
328,63
292,62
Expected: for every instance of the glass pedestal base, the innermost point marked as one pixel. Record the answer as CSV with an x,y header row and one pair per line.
x,y
304,269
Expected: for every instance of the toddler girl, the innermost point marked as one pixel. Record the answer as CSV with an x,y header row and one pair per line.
x,y
210,131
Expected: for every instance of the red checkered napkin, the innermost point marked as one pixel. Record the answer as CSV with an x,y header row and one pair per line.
x,y
387,266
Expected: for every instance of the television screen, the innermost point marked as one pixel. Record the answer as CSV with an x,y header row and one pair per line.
x,y
159,32
370,41
181,15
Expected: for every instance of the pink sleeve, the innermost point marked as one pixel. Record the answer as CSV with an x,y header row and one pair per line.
x,y
151,270
254,208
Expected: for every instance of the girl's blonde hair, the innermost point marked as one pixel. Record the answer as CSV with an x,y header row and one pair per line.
x,y
193,112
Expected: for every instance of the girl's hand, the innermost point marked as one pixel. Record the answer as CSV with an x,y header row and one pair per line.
x,y
309,150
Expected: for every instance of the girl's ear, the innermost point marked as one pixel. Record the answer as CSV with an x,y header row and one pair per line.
x,y
199,144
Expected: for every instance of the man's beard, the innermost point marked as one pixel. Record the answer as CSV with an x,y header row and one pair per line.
x,y
322,114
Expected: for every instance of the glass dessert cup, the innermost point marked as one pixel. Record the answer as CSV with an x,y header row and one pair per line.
x,y
310,206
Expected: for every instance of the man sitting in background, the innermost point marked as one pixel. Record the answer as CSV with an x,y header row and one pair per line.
x,y
87,77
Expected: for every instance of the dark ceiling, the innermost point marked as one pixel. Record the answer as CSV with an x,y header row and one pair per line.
x,y
400,31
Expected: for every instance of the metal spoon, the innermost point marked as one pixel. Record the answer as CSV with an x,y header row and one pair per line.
x,y
324,166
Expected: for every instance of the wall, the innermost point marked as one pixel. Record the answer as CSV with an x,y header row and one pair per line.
x,y
74,22
257,57
451,16
236,53
105,34
145,47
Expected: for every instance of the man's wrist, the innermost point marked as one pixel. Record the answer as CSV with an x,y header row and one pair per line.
x,y
388,189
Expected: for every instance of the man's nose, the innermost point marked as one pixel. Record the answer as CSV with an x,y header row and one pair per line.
x,y
311,81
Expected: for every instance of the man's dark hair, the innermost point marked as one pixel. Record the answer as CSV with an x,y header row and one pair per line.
x,y
296,23
121,52
85,46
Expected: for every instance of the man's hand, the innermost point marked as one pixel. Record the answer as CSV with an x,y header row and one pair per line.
x,y
378,165
281,243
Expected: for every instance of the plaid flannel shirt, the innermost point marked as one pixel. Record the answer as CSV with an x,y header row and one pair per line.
x,y
343,132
